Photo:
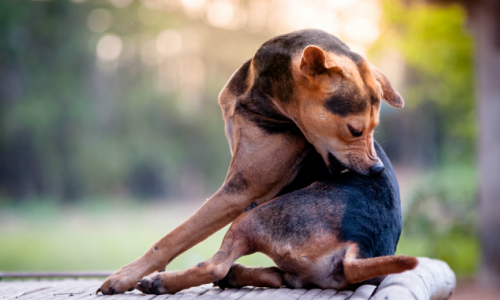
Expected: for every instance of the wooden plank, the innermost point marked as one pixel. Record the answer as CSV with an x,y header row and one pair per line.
x,y
253,294
265,293
342,295
220,295
363,292
310,294
239,294
209,294
89,290
294,294
20,290
54,274
431,279
276,294
325,294
190,293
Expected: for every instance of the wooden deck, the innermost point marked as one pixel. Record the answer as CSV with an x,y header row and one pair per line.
x,y
85,289
431,279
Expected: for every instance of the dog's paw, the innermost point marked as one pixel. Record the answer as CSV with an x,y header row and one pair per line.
x,y
118,283
152,284
224,283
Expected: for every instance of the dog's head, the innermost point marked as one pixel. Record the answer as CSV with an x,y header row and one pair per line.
x,y
337,105
331,93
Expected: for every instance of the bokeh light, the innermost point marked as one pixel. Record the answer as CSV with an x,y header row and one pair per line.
x,y
220,13
109,47
99,20
169,42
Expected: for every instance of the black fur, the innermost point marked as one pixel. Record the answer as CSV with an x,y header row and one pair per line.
x,y
238,84
273,60
357,208
259,109
273,78
347,101
236,184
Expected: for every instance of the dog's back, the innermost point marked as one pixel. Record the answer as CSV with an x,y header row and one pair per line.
x,y
312,233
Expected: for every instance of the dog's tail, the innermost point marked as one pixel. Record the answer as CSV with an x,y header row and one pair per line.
x,y
359,269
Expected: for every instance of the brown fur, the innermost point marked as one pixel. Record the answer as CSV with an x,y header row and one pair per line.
x,y
319,260
272,122
358,270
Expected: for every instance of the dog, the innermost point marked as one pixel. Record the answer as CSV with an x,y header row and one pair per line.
x,y
338,232
304,94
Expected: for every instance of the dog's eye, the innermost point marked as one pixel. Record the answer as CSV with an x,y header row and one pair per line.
x,y
354,132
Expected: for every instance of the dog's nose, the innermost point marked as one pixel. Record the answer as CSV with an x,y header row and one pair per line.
x,y
377,168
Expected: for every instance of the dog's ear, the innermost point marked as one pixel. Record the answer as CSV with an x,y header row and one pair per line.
x,y
389,93
315,61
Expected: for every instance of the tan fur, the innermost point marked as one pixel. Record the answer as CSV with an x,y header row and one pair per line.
x,y
240,275
358,270
266,163
262,164
310,114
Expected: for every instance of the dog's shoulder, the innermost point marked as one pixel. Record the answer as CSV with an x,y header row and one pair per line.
x,y
237,85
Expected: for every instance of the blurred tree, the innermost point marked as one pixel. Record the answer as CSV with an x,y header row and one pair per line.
x,y
73,126
484,19
438,84
437,130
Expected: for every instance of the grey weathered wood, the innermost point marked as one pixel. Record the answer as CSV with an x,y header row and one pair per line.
x,y
276,294
254,294
54,274
363,292
294,294
325,294
431,279
310,294
342,295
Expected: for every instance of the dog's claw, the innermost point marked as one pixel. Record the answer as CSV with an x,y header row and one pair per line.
x,y
98,290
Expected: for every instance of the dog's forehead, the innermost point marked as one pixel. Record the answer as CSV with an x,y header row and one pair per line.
x,y
273,61
296,41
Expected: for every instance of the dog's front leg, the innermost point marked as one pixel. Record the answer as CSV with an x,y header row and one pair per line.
x,y
262,164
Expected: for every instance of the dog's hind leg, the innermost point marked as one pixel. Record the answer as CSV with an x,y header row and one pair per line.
x,y
240,276
214,269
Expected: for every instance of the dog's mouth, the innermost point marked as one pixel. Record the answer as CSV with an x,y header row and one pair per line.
x,y
335,166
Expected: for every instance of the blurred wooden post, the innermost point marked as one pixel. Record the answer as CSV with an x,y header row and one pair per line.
x,y
484,20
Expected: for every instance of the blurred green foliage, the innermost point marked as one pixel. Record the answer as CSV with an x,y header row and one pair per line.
x,y
441,218
70,131
438,53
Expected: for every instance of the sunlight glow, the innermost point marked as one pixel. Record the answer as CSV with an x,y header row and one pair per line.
x,y
354,21
193,8
169,42
220,13
109,47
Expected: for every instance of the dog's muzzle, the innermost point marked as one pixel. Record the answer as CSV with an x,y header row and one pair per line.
x,y
377,168
335,166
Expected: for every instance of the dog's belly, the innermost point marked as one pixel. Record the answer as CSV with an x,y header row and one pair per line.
x,y
320,263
